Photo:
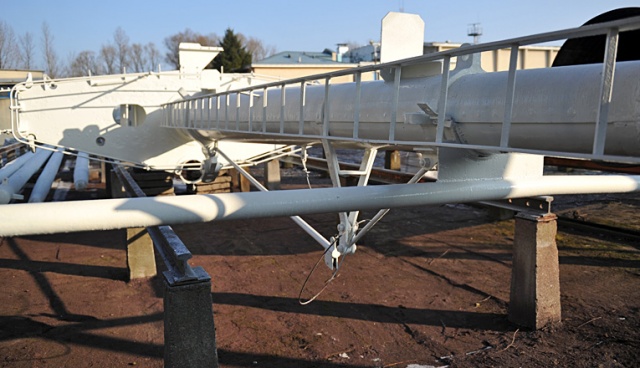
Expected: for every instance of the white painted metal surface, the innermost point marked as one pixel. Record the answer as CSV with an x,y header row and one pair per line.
x,y
401,37
194,57
14,165
43,184
470,179
553,111
11,186
46,218
119,116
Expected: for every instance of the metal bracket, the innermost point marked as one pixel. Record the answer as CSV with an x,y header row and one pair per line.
x,y
210,169
540,205
31,142
348,226
176,256
432,115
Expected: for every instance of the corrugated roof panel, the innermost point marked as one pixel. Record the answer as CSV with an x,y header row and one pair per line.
x,y
298,57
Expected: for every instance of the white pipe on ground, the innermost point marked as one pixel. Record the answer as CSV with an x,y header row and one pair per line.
x,y
14,165
12,185
81,171
43,184
49,218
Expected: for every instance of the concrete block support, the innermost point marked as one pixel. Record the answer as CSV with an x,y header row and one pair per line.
x,y
392,160
535,281
238,182
114,186
272,175
141,259
189,333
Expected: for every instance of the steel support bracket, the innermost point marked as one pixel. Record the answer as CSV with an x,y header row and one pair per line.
x,y
539,205
348,226
195,275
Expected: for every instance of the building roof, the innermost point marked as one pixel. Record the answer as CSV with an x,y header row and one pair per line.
x,y
365,53
299,57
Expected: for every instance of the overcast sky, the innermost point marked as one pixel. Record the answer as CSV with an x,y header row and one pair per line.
x,y
302,25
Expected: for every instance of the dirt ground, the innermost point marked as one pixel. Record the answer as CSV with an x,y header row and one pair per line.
x,y
427,287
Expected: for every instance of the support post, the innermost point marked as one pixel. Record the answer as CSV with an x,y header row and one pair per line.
x,y
114,186
392,160
500,214
189,332
272,175
287,164
535,278
141,260
103,172
238,182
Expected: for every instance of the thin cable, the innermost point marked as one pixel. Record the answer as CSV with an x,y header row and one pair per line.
x,y
327,282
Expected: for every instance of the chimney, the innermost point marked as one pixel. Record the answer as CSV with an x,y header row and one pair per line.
x,y
342,49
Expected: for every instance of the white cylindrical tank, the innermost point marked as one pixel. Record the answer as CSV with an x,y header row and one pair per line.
x,y
12,185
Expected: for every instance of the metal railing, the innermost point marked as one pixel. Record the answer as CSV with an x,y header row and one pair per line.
x,y
214,111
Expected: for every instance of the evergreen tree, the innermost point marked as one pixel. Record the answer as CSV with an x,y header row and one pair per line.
x,y
235,57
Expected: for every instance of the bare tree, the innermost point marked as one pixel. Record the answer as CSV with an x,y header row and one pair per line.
x,y
172,43
84,63
9,51
137,57
153,55
27,51
108,57
121,41
50,57
352,45
257,48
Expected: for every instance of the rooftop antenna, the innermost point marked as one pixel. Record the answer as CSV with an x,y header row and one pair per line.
x,y
401,6
475,30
